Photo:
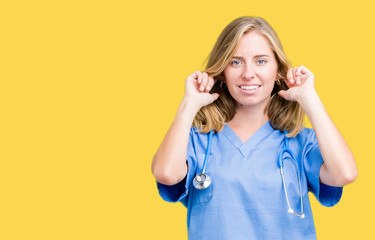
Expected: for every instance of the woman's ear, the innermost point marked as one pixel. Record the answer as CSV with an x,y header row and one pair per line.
x,y
221,77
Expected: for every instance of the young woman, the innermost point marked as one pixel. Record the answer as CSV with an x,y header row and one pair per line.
x,y
240,123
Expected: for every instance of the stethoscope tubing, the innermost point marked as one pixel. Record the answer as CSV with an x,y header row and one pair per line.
x,y
207,151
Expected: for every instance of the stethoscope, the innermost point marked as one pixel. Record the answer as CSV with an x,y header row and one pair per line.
x,y
203,181
293,159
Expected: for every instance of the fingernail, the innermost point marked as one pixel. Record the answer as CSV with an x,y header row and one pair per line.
x,y
208,87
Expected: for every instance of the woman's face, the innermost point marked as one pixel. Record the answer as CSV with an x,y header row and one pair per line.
x,y
251,73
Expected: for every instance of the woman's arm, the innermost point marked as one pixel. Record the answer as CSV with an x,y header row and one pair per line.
x,y
339,167
169,165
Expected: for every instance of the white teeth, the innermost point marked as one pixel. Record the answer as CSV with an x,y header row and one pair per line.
x,y
250,87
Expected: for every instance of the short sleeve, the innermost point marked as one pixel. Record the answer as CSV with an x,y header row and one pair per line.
x,y
327,195
179,192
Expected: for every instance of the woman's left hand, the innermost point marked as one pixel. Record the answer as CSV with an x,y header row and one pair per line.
x,y
300,82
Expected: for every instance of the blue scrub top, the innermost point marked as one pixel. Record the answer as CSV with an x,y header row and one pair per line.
x,y
246,199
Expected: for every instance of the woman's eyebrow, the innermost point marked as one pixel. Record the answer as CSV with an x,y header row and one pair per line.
x,y
256,56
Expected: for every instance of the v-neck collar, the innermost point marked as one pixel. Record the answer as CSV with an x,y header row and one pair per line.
x,y
244,147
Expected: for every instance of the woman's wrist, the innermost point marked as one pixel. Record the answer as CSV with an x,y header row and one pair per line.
x,y
307,99
189,105
311,105
188,110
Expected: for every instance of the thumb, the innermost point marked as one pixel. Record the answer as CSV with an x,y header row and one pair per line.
x,y
282,93
215,96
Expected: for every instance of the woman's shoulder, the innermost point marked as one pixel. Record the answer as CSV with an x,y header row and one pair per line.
x,y
197,131
307,131
196,134
306,135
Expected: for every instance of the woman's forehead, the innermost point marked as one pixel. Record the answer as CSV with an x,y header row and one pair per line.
x,y
253,43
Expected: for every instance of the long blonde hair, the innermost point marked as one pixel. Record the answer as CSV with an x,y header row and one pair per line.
x,y
283,115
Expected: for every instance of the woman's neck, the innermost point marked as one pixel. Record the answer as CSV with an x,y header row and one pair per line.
x,y
248,119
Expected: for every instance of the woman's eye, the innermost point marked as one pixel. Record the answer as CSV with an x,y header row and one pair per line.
x,y
235,63
261,61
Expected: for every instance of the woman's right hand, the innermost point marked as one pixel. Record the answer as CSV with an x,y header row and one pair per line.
x,y
198,86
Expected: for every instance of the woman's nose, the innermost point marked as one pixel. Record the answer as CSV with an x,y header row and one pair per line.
x,y
248,72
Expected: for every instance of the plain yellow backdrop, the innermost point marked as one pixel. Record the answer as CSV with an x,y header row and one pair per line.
x,y
89,89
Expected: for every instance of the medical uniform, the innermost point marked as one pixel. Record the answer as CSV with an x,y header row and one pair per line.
x,y
246,199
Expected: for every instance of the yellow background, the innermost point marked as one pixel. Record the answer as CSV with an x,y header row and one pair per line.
x,y
89,89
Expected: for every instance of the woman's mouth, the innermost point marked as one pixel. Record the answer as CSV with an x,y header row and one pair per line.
x,y
249,89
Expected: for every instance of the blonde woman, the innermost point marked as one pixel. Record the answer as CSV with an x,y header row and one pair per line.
x,y
240,124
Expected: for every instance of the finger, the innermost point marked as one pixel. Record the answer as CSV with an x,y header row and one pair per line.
x,y
204,82
294,74
305,73
210,83
290,76
298,74
304,70
299,70
195,74
198,75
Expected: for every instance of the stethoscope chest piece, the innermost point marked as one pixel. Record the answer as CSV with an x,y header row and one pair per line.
x,y
201,181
